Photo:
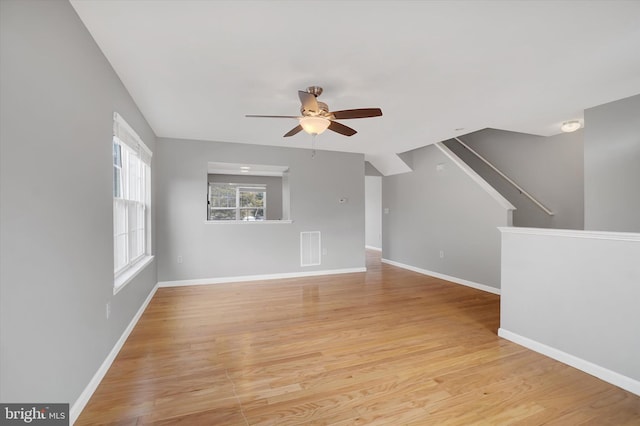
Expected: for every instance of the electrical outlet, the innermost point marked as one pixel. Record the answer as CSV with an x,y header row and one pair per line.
x,y
441,254
108,310
179,259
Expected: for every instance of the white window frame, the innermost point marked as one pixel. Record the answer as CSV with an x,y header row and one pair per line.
x,y
244,187
131,203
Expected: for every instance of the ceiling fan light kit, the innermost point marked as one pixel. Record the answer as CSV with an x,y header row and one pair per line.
x,y
314,125
570,126
315,116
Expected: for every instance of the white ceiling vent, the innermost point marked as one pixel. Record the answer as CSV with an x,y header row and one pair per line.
x,y
310,248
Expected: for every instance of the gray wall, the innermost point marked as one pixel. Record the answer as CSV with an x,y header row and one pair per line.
x,y
432,211
56,113
274,190
549,168
220,250
612,166
373,211
576,292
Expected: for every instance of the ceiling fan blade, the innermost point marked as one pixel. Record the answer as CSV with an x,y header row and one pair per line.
x,y
341,128
357,113
293,131
308,101
273,116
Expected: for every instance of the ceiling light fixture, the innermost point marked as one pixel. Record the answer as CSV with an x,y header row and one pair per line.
x,y
314,125
570,126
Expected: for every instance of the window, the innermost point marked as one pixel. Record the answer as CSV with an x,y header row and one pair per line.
x,y
243,193
232,201
131,201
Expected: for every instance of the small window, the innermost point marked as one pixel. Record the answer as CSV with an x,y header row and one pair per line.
x,y
232,201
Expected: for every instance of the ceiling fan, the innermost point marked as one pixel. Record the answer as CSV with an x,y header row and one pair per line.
x,y
315,116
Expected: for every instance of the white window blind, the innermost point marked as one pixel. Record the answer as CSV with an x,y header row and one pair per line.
x,y
131,196
127,136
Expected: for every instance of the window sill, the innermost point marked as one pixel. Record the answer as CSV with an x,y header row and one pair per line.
x,y
247,222
128,275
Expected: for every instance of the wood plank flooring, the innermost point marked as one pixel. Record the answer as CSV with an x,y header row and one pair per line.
x,y
385,347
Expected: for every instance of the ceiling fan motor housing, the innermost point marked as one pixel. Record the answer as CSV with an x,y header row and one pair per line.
x,y
315,90
323,111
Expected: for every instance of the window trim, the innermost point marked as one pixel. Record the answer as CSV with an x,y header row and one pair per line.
x,y
248,222
125,276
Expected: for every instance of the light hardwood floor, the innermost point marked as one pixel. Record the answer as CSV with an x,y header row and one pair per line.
x,y
385,347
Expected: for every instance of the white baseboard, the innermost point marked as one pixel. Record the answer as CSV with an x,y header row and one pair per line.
x,y
617,379
81,402
373,248
223,280
456,280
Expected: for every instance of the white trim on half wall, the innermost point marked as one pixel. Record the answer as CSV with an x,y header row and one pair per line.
x,y
617,379
455,280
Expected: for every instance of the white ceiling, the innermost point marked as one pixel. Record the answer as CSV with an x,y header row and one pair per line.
x,y
195,68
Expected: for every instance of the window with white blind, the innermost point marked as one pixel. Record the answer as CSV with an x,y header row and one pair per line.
x,y
131,202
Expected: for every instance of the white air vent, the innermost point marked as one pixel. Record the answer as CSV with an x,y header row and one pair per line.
x,y
309,248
